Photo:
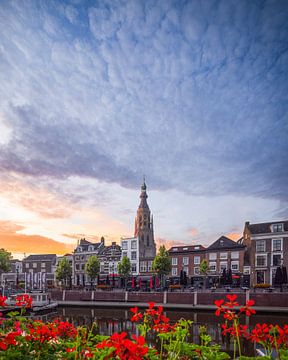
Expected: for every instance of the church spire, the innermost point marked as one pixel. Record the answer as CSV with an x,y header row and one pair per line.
x,y
143,196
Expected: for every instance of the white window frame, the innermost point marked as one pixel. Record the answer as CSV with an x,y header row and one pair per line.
x,y
43,265
185,260
223,263
235,262
277,225
214,265
258,242
197,260
281,258
246,270
186,269
260,255
125,245
174,271
133,244
175,261
34,265
134,253
223,255
235,255
196,270
213,256
272,245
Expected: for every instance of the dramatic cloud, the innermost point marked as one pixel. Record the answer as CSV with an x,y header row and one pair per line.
x,y
191,93
15,242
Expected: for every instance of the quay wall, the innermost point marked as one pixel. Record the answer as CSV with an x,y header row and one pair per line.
x,y
195,299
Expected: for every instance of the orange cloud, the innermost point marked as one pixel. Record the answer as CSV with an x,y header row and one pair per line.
x,y
31,244
234,236
35,198
168,243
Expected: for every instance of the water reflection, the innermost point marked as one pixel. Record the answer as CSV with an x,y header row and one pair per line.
x,y
110,320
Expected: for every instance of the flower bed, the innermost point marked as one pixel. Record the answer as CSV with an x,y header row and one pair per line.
x,y
23,338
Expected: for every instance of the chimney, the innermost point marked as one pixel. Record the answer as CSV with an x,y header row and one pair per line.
x,y
102,240
113,243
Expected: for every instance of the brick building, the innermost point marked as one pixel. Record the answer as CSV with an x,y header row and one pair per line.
x,y
186,258
39,270
267,248
226,254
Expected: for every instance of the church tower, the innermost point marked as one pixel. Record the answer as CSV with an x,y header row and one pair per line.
x,y
144,232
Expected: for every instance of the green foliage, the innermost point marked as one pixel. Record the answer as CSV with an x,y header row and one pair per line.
x,y
162,262
5,259
63,270
92,267
124,267
204,267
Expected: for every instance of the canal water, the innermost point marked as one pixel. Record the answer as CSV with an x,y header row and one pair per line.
x,y
110,320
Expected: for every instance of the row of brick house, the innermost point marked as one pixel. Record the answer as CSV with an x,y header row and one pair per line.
x,y
253,259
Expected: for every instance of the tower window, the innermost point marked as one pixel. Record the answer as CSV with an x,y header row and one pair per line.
x,y
148,240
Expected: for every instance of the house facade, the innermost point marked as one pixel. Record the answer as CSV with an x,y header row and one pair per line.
x,y
186,258
39,270
267,246
130,249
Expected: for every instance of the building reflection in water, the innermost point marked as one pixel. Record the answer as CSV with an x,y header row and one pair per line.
x,y
111,320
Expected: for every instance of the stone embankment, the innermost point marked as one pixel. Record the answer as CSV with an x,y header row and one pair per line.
x,y
271,302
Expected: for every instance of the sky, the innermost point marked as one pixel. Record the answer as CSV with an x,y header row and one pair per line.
x,y
95,94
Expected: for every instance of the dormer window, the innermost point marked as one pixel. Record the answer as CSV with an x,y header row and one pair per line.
x,y
79,249
90,248
277,228
175,249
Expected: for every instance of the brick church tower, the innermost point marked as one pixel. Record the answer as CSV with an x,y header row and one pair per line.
x,y
145,233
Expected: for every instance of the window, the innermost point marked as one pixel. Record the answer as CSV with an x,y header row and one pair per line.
x,y
196,270
212,266
174,271
82,266
149,265
276,244
261,260
27,266
196,260
260,277
277,227
133,244
124,253
90,248
43,265
34,265
175,249
223,265
276,259
260,246
77,267
185,269
133,267
223,256
133,255
185,260
124,245
212,256
186,248
174,261
148,240
79,249
234,265
196,247
246,270
235,255
143,266
82,257
76,257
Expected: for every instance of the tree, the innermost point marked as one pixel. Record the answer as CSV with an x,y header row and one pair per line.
x,y
64,271
204,270
162,263
92,268
5,259
124,268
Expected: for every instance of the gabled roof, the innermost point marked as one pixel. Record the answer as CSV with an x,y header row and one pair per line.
x,y
85,245
186,248
41,257
224,243
264,228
